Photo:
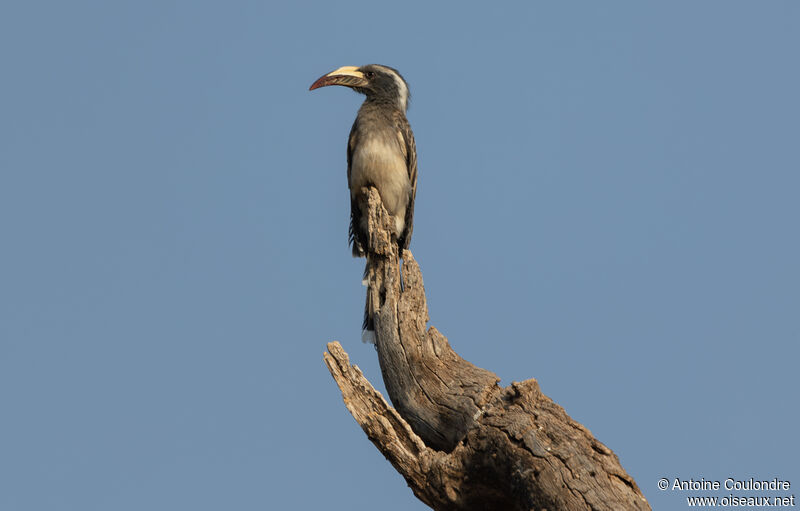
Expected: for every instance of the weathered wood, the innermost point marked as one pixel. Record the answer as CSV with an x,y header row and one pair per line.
x,y
436,391
460,440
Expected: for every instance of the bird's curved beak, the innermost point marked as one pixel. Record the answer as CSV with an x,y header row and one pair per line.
x,y
349,76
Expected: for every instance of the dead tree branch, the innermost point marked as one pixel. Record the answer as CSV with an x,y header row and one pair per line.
x,y
461,441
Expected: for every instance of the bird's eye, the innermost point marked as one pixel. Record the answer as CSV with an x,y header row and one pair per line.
x,y
370,74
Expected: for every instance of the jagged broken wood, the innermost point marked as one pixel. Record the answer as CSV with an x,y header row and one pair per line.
x,y
460,441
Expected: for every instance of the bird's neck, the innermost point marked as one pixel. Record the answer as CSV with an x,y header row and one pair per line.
x,y
384,102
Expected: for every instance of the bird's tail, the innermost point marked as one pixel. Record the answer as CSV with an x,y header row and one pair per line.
x,y
368,326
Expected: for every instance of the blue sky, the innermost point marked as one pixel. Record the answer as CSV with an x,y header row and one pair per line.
x,y
607,202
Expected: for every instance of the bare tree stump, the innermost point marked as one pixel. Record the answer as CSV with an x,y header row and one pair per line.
x,y
461,441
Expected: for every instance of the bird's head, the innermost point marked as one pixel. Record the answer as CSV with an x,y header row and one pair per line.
x,y
381,84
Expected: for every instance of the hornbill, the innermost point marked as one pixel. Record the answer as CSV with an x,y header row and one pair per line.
x,y
380,152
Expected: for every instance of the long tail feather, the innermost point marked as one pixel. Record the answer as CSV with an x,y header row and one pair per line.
x,y
368,325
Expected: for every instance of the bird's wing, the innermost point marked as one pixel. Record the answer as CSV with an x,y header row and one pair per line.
x,y
355,211
409,148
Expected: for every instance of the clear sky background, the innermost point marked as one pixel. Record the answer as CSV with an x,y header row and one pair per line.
x,y
607,202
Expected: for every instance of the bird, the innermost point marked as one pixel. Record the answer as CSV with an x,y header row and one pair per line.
x,y
381,152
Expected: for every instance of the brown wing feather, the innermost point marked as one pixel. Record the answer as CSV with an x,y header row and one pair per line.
x,y
353,234
409,148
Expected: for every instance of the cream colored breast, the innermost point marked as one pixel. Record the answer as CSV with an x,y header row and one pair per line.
x,y
379,162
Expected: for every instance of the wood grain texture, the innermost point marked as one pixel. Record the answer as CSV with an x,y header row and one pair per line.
x,y
460,441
